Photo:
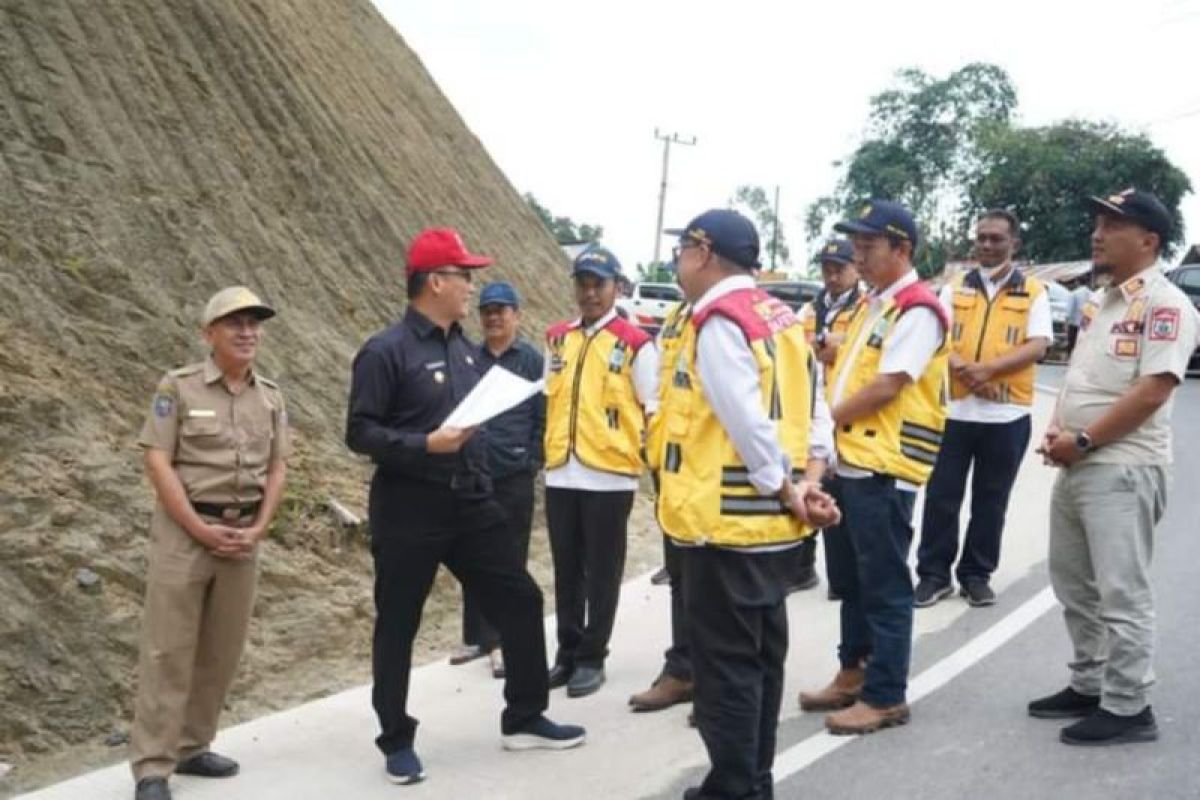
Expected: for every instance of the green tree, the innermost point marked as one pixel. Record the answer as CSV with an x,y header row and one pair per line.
x,y
948,150
754,202
921,144
1044,174
564,229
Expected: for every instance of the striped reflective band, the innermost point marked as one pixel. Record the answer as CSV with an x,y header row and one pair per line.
x,y
918,454
735,477
614,421
751,506
674,457
921,433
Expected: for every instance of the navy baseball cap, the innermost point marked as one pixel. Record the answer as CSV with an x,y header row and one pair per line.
x,y
839,251
598,261
727,232
1141,208
499,294
882,218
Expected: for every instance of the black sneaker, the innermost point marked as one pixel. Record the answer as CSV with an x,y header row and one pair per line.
x,y
585,681
1064,704
978,593
542,734
929,592
1105,728
404,767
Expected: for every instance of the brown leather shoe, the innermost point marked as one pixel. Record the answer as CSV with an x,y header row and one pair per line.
x,y
841,692
865,718
663,693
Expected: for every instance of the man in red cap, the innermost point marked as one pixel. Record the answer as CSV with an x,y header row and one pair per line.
x,y
431,503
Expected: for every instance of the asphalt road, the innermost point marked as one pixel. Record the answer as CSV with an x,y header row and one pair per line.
x,y
972,738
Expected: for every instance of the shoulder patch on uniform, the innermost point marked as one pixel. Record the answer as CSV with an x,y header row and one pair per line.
x,y
164,404
1164,324
190,369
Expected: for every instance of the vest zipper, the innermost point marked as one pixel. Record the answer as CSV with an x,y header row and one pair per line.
x,y
987,312
575,391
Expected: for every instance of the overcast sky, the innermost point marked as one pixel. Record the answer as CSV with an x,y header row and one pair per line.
x,y
566,96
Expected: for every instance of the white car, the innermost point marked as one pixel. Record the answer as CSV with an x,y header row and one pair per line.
x,y
649,303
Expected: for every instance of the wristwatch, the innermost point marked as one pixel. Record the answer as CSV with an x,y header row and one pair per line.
x,y
1084,442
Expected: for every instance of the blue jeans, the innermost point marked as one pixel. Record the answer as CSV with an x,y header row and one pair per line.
x,y
867,556
996,450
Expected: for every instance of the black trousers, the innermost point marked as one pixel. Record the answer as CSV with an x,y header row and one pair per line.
x,y
514,493
737,624
994,453
587,540
677,660
415,526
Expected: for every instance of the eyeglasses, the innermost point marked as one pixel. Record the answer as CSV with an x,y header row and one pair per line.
x,y
678,249
458,273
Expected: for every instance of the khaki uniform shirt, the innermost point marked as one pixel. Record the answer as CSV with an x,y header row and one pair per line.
x,y
220,444
1145,326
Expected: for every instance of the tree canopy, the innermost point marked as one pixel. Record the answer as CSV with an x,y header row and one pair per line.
x,y
564,229
754,202
948,149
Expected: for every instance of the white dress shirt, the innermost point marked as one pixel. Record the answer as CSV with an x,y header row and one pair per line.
x,y
1038,325
644,370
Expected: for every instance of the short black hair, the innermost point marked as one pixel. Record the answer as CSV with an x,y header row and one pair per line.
x,y
416,283
1014,225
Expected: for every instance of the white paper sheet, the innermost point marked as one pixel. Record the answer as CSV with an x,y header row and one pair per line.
x,y
497,391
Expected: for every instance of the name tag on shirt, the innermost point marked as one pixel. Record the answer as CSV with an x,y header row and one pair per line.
x,y
200,412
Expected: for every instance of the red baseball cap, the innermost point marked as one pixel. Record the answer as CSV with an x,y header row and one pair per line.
x,y
434,248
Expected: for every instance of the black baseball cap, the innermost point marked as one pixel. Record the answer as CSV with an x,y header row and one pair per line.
x,y
839,251
1141,208
882,218
727,232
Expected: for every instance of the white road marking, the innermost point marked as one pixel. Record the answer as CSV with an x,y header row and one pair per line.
x,y
805,752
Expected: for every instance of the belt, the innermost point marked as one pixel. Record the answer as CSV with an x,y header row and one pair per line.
x,y
228,512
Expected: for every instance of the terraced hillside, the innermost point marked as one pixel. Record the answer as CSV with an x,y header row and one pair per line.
x,y
152,151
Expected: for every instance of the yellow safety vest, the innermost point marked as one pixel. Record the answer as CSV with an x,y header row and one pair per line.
x,y
837,321
592,408
705,495
985,329
669,339
903,438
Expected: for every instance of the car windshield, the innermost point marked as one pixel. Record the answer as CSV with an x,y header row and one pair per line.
x,y
662,292
1189,281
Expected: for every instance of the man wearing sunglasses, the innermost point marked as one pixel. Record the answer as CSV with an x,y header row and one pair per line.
x,y
601,384
432,503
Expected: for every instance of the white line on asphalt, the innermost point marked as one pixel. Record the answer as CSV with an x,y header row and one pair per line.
x,y
803,753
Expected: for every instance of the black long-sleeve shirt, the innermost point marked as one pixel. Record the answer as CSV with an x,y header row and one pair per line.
x,y
515,437
406,380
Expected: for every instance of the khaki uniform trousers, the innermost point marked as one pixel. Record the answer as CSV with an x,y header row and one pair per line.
x,y
1102,519
197,612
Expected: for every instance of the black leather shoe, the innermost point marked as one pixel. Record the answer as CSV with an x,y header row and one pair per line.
x,y
585,681
1104,728
978,593
152,789
559,675
1064,704
208,765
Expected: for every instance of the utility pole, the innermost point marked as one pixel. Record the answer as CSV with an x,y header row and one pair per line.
x,y
662,189
775,228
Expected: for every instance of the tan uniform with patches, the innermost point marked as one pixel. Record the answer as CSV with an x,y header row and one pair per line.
x,y
197,607
1105,507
